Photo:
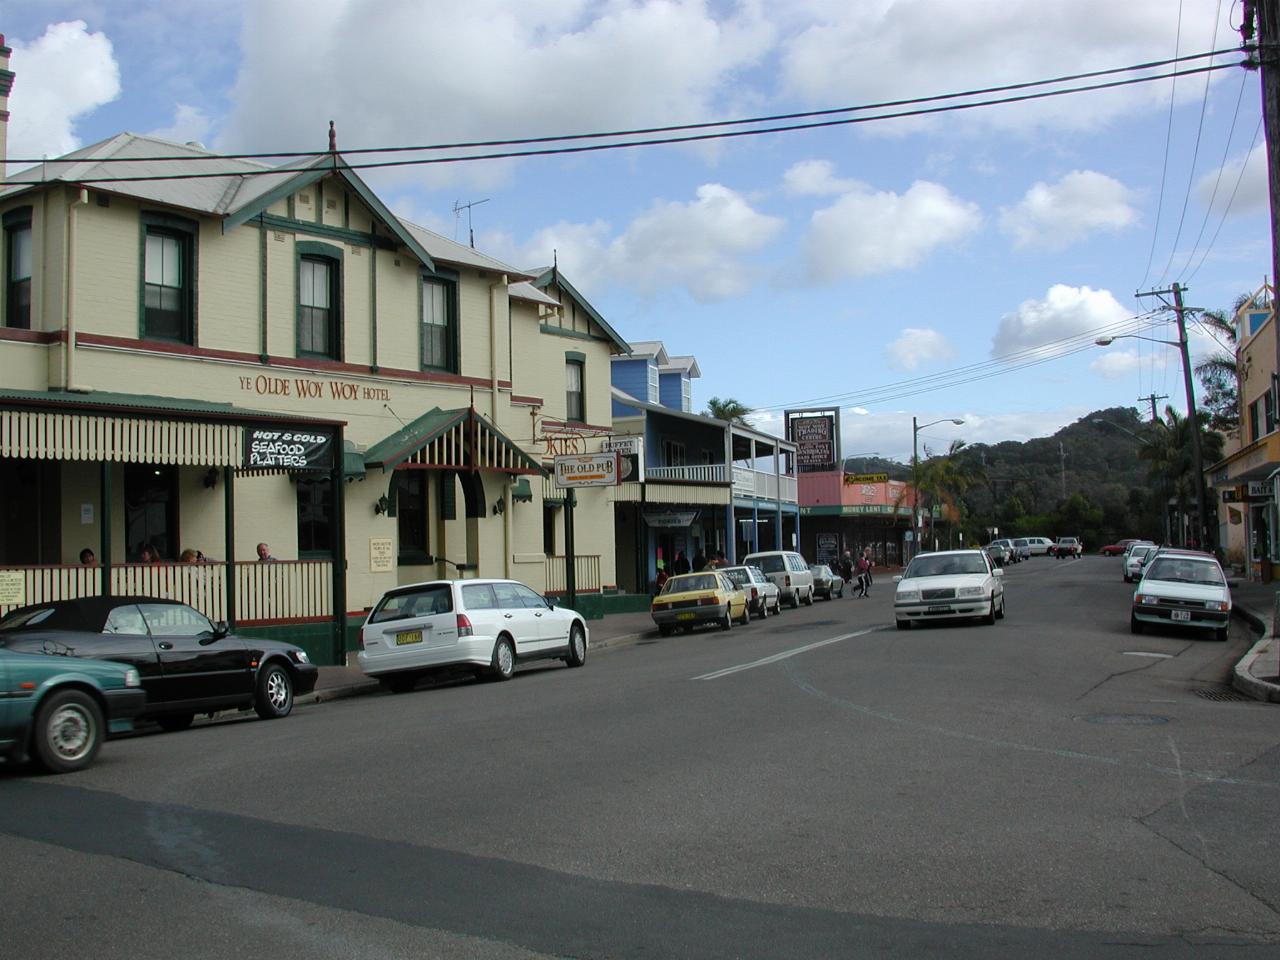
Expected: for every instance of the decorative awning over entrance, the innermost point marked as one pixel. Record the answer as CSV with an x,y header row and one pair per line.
x,y
450,440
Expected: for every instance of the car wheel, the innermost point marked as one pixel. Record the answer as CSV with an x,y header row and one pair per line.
x,y
904,624
401,682
808,598
746,616
990,617
275,692
577,655
1135,625
795,599
764,608
1220,634
173,722
68,731
1000,612
665,630
726,622
503,664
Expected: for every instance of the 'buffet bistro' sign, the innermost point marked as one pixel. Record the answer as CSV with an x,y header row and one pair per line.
x,y
283,448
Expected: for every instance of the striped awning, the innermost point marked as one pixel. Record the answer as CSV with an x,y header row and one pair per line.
x,y
119,428
450,440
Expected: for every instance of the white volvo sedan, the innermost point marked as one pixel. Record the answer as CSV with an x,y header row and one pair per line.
x,y
949,585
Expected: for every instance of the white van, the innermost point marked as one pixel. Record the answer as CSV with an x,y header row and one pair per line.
x,y
789,572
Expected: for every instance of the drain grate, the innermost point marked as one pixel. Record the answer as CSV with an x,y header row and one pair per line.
x,y
1221,695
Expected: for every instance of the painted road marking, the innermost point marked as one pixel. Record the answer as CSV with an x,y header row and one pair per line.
x,y
716,675
1144,653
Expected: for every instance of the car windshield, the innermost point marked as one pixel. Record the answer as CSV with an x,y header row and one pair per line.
x,y
770,564
1139,553
738,575
30,617
698,581
1183,570
945,565
416,603
1020,543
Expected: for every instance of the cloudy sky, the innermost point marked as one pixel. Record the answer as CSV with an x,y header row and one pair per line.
x,y
885,267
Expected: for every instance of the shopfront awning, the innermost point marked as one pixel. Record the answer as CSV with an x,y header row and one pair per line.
x,y
450,440
133,428
1257,461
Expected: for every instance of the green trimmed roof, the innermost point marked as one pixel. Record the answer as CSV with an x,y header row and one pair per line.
x,y
395,449
548,275
104,401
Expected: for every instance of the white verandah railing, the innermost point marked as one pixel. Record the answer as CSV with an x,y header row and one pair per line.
x,y
282,591
586,570
764,485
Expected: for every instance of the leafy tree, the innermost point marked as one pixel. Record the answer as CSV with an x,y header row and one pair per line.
x,y
943,481
1219,373
1171,463
727,409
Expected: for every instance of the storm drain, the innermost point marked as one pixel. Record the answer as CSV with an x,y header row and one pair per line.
x,y
1221,695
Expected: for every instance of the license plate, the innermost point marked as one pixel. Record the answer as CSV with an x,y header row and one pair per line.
x,y
1181,615
938,608
409,636
684,616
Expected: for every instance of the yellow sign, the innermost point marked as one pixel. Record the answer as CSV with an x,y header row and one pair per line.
x,y
852,478
13,588
382,557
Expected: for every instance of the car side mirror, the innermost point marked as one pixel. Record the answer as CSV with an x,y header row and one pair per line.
x,y
897,577
998,571
220,630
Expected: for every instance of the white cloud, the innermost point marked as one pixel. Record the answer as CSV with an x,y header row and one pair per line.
x,y
867,232
915,346
1059,214
66,73
1116,364
1064,312
189,123
701,245
391,74
814,178
889,431
860,50
1252,193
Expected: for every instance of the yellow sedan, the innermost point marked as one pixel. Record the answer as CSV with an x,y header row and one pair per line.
x,y
694,598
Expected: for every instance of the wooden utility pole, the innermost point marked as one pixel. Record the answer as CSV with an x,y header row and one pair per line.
x,y
1152,400
1263,17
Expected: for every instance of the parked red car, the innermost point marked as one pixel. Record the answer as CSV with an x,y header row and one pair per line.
x,y
1115,549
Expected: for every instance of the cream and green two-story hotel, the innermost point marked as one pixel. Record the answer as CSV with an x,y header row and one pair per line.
x,y
207,354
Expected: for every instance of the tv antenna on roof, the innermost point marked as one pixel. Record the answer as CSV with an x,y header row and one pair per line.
x,y
458,207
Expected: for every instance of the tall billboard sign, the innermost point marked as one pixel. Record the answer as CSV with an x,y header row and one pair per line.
x,y
816,434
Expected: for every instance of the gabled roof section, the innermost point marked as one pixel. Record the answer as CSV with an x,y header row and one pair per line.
x,y
686,365
453,440
527,291
650,350
546,276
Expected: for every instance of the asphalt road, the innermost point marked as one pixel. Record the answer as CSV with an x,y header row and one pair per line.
x,y
816,785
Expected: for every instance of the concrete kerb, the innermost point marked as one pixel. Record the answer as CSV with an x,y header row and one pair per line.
x,y
1242,678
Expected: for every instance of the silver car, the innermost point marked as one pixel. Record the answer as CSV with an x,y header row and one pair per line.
x,y
487,626
763,597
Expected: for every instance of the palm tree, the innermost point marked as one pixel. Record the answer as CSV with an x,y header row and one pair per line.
x,y
941,481
1219,372
728,409
1168,451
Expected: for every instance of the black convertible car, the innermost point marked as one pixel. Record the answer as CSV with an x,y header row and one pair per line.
x,y
188,664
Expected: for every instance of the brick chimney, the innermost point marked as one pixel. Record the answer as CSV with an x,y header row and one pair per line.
x,y
6,84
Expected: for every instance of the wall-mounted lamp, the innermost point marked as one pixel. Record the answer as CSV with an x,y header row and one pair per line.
x,y
381,504
211,478
499,507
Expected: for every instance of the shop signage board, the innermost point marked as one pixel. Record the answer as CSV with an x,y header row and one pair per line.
x,y
828,547
630,452
1259,489
382,558
815,439
13,588
286,448
587,470
855,478
671,519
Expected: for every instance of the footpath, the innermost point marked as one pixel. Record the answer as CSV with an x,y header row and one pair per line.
x,y
1257,674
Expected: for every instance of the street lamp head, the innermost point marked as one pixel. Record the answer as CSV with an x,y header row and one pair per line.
x,y
958,422
1105,341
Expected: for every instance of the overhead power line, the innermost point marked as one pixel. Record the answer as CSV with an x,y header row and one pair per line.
x,y
597,147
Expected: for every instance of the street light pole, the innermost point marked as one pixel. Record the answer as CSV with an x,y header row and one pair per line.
x,y
915,472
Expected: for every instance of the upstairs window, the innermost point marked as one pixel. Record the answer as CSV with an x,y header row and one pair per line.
x,y
168,278
574,398
439,326
686,394
319,301
652,369
17,236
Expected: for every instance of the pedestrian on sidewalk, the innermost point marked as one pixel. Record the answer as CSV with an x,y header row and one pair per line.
x,y
866,555
862,568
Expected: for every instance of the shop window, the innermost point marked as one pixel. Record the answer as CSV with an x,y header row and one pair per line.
x,y
17,254
1269,411
575,397
315,517
150,511
168,278
319,300
411,515
439,325
1253,421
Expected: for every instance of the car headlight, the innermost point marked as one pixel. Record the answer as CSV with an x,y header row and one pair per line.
x,y
1217,605
908,596
131,678
300,656
1146,598
971,592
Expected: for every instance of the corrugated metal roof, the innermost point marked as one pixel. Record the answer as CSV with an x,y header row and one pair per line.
x,y
448,251
649,349
683,364
527,291
102,399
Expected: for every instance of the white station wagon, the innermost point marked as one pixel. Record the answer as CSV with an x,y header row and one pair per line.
x,y
949,585
488,625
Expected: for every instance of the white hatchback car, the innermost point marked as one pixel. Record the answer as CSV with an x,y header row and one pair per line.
x,y
789,572
1182,588
488,625
1137,556
949,585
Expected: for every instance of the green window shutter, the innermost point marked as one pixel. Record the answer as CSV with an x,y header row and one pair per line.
x,y
448,496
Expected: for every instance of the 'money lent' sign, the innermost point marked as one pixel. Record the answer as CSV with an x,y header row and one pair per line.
x,y
283,448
